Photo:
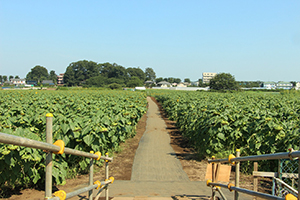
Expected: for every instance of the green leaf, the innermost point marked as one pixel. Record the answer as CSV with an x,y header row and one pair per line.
x,y
221,136
88,139
65,128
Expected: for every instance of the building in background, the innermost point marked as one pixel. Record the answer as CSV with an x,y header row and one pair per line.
x,y
206,76
60,79
18,81
284,85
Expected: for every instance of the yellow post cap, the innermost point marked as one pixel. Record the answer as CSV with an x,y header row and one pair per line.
x,y
92,152
49,115
98,183
290,197
112,179
98,154
61,144
229,186
213,157
60,194
207,182
231,156
238,150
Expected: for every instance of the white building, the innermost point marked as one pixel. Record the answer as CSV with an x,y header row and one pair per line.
x,y
297,87
206,76
18,81
269,85
164,84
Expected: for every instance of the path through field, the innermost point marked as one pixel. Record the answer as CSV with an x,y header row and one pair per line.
x,y
156,170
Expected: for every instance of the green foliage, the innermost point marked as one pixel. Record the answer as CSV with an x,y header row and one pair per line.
x,y
115,86
216,123
134,82
84,119
150,74
223,81
38,74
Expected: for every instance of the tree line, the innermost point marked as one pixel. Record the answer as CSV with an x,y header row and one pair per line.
x,y
92,74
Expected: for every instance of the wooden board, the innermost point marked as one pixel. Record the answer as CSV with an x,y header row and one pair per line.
x,y
222,172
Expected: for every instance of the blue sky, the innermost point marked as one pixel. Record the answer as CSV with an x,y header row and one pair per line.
x,y
251,39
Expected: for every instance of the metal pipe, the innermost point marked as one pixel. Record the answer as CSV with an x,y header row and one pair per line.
x,y
286,185
249,192
237,175
225,160
257,194
213,178
298,179
274,156
106,177
221,193
48,178
91,177
82,190
16,140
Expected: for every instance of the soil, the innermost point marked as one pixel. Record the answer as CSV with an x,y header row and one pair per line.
x,y
121,167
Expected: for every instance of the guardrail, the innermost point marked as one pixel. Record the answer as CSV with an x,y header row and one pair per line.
x,y
59,148
236,160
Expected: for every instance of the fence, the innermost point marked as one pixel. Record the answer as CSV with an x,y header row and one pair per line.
x,y
236,160
59,148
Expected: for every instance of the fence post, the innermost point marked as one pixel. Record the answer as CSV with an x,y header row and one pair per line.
x,y
91,176
255,179
298,178
237,175
106,177
48,184
213,178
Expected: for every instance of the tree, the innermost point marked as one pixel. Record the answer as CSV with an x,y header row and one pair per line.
x,y
177,80
38,73
53,76
78,72
201,84
4,78
11,77
96,81
134,82
223,81
150,74
17,77
187,80
136,72
159,79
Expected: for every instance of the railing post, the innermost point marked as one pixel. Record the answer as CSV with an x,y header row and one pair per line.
x,y
298,178
213,178
255,179
106,177
48,184
237,175
91,181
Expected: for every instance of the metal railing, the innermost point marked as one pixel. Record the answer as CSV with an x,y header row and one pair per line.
x,y
58,148
236,160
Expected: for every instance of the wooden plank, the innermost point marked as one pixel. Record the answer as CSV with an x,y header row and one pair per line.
x,y
289,175
222,172
265,174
